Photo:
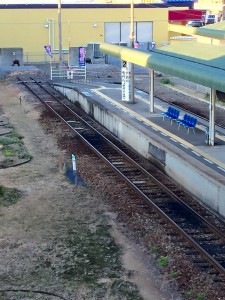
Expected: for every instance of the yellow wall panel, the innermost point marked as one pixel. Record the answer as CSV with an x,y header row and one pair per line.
x,y
31,29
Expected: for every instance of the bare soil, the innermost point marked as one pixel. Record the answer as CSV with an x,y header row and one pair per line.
x,y
87,240
61,241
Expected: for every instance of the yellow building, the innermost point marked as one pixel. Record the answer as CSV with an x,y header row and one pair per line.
x,y
32,26
210,6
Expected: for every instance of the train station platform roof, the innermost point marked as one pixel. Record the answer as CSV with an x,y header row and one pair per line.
x,y
214,31
200,63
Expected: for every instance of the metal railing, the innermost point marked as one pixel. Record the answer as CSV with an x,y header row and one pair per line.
x,y
65,72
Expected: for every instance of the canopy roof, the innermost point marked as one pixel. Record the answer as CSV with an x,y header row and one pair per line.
x,y
215,31
199,63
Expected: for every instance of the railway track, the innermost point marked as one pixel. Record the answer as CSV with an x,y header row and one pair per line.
x,y
204,241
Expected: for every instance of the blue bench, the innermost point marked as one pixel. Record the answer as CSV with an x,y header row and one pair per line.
x,y
188,122
171,113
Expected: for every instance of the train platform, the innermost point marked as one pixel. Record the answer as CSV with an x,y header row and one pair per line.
x,y
196,164
192,142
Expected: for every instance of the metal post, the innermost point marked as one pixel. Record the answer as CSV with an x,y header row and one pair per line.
x,y
60,33
132,46
151,92
212,117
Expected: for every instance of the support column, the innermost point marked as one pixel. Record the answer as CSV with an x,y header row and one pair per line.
x,y
212,117
60,33
151,92
132,46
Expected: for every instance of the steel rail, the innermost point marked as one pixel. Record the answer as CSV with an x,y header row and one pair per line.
x,y
187,237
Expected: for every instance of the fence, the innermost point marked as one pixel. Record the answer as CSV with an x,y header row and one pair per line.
x,y
42,57
64,72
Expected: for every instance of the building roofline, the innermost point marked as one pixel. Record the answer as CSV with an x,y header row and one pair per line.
x,y
85,6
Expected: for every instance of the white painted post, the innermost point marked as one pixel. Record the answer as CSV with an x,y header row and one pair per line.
x,y
151,93
212,117
126,81
74,162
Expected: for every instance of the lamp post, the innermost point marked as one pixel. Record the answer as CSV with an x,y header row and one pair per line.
x,y
60,33
132,46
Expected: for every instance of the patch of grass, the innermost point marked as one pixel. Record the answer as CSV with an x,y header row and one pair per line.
x,y
7,162
173,274
4,140
166,81
126,290
188,294
87,256
9,196
25,156
154,250
207,96
8,151
15,135
163,261
200,296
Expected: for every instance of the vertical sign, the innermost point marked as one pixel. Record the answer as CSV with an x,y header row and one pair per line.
x,y
82,53
126,81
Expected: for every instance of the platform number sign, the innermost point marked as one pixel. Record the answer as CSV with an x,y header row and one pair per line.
x,y
126,80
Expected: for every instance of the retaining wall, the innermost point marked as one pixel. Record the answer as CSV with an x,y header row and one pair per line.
x,y
202,182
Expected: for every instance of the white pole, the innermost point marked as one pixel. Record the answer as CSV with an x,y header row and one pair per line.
x,y
212,117
60,33
132,46
151,94
74,162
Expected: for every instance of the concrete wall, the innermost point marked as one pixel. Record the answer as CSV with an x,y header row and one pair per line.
x,y
192,175
8,55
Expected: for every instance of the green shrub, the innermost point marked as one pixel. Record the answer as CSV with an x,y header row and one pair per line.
x,y
163,261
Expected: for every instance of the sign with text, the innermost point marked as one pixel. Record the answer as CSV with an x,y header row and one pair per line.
x,y
126,81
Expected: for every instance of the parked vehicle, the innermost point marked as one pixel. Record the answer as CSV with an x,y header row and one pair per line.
x,y
209,19
195,23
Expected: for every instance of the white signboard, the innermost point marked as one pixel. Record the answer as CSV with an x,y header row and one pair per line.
x,y
126,81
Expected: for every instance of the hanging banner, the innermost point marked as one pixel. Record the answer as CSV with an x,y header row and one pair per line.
x,y
82,53
126,81
48,50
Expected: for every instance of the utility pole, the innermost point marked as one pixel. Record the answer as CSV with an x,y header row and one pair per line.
x,y
132,46
60,33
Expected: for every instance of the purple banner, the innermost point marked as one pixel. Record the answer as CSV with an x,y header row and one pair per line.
x,y
82,53
48,50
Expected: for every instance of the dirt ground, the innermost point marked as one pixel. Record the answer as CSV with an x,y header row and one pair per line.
x,y
58,241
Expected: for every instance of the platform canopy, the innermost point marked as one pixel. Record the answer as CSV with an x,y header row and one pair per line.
x,y
200,63
214,31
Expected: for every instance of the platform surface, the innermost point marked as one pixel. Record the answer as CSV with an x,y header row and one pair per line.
x,y
193,143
